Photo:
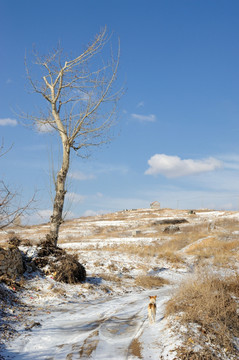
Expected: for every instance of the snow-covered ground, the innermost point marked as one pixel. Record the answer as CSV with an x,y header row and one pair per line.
x,y
106,328
105,317
99,319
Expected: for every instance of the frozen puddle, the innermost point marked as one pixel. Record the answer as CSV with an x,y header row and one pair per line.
x,y
94,330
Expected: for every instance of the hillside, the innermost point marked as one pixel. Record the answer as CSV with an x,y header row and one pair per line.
x,y
188,259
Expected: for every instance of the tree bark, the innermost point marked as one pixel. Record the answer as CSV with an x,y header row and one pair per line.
x,y
56,218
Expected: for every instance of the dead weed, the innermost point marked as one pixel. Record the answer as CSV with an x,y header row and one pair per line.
x,y
149,282
220,250
209,302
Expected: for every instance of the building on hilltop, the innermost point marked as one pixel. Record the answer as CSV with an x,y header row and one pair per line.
x,y
155,205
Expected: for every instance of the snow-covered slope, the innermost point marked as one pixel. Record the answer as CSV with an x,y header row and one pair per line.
x,y
106,317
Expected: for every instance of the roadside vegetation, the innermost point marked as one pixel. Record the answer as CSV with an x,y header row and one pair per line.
x,y
207,306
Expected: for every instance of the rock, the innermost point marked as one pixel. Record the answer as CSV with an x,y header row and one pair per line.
x,y
171,229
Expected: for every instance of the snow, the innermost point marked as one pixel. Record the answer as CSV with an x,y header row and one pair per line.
x,y
87,319
99,243
115,322
102,318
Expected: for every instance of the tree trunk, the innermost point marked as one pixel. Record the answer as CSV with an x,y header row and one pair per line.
x,y
56,218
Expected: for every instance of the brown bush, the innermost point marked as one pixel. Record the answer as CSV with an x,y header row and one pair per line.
x,y
207,301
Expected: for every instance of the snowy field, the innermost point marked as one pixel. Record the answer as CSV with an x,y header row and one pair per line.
x,y
106,317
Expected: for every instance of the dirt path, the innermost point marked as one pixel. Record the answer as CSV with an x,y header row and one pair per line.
x,y
106,329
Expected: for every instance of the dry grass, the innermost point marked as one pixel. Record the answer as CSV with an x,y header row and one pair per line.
x,y
183,353
229,224
144,281
88,346
209,302
190,233
111,277
112,267
58,291
166,250
220,250
135,348
149,282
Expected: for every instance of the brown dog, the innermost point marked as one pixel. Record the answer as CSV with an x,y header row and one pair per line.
x,y
152,308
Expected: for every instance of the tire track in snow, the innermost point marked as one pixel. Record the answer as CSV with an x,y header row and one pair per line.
x,y
104,329
112,335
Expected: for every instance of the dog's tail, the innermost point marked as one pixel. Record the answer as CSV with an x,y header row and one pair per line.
x,y
152,312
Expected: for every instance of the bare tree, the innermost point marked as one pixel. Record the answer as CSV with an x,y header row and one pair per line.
x,y
80,106
11,209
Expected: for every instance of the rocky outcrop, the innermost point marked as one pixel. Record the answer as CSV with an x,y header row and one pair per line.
x,y
11,263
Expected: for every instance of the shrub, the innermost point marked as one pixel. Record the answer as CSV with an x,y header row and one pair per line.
x,y
207,301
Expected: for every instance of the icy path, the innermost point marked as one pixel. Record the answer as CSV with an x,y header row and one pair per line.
x,y
106,329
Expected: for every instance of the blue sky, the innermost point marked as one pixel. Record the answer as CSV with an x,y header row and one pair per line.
x,y
176,140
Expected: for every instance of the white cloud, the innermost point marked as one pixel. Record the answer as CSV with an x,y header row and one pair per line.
x,y
44,128
8,122
75,198
78,175
173,166
140,104
230,161
144,118
230,157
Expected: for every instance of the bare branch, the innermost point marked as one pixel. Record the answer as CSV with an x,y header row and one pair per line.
x,y
10,210
81,104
